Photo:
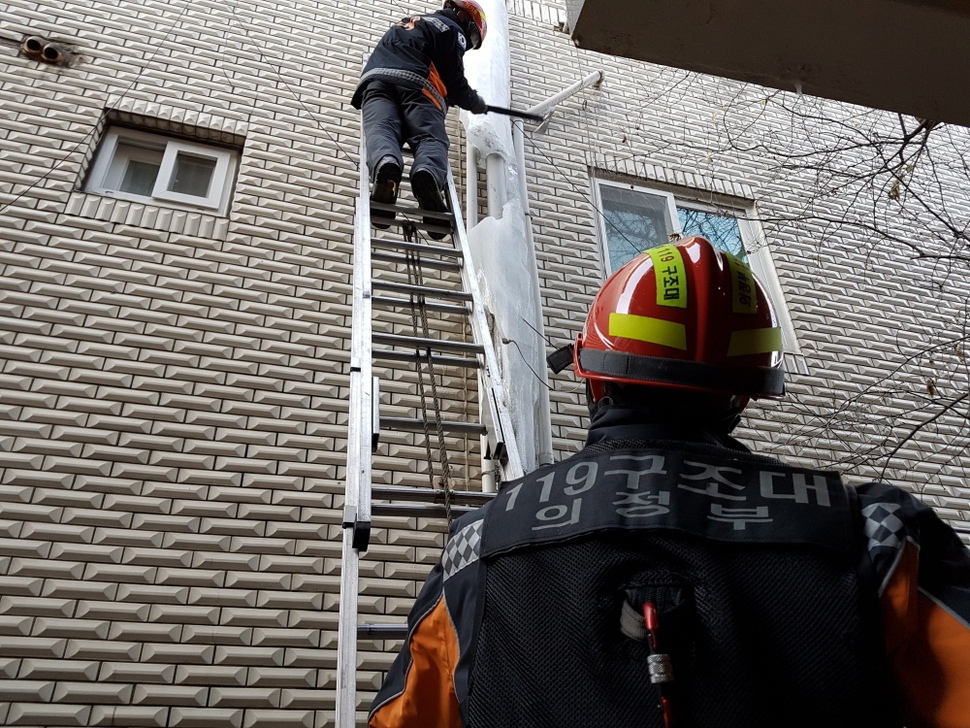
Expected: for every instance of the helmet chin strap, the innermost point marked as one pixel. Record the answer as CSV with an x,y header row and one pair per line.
x,y
464,19
468,25
595,405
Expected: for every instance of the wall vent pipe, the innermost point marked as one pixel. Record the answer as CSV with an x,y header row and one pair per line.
x,y
53,53
42,49
33,46
593,79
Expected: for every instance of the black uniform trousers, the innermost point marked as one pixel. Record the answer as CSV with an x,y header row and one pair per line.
x,y
393,116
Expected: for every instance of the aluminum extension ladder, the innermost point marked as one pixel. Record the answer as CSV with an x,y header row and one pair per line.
x,y
363,499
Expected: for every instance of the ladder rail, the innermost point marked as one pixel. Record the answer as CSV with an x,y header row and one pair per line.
x,y
493,393
364,416
346,706
357,495
359,438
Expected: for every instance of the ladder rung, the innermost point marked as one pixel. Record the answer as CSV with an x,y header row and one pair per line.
x,y
389,303
448,265
474,498
446,251
414,210
441,361
412,424
403,213
419,342
408,289
422,510
445,216
442,230
386,207
382,631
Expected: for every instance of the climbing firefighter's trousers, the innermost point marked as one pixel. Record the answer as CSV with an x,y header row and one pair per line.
x,y
394,116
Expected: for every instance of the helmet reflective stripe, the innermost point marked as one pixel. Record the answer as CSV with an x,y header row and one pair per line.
x,y
668,264
754,341
650,330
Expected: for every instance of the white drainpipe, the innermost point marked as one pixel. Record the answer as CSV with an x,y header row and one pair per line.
x,y
543,426
497,196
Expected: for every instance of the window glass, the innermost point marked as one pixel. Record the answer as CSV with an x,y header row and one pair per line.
x,y
718,227
633,221
192,175
139,177
134,167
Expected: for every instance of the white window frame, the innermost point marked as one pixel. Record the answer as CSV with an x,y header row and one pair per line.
x,y
220,186
672,221
752,237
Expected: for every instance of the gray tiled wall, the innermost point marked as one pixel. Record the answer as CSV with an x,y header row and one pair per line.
x,y
173,385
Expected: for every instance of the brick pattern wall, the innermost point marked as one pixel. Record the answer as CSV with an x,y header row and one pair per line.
x,y
173,393
173,390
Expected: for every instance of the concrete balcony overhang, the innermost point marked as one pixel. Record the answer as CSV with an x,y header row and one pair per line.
x,y
909,56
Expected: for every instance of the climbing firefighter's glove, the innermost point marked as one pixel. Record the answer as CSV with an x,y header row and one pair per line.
x,y
481,107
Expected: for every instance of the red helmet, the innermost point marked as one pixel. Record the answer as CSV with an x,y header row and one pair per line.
x,y
683,316
476,28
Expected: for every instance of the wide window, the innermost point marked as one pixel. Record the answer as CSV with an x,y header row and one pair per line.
x,y
144,167
635,218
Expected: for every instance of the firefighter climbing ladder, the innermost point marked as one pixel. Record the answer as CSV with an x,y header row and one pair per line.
x,y
373,291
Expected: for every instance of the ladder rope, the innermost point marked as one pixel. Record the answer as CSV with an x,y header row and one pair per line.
x,y
417,300
420,314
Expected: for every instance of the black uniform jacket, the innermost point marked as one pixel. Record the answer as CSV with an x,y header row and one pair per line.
x,y
914,629
423,52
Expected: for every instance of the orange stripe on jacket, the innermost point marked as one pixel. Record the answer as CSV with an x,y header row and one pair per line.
x,y
431,96
429,687
434,78
929,650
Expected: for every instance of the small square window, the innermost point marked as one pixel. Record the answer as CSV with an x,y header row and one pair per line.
x,y
153,168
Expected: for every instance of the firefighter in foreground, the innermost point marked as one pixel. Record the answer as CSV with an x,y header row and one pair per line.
x,y
413,75
665,575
